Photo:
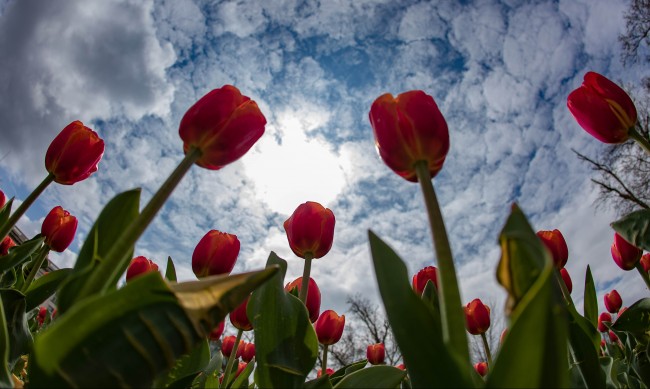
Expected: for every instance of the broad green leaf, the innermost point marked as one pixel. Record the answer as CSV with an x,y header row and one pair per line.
x,y
286,346
205,379
5,375
347,369
590,300
170,272
44,287
416,328
373,377
635,319
430,295
584,343
186,367
20,254
635,228
322,382
241,381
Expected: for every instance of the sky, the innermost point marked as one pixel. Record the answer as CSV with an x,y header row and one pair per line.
x,y
500,72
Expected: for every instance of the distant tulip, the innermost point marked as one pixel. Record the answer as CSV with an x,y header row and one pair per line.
x,y
408,129
74,154
603,344
239,318
603,109
329,372
224,125
503,335
58,229
249,352
645,262
216,253
240,367
554,241
613,337
329,327
5,245
310,230
228,344
376,353
420,279
613,301
401,366
42,315
567,279
620,311
313,296
3,199
481,368
140,265
625,254
216,333
604,317
477,316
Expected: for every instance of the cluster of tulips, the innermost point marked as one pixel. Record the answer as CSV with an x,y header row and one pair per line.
x,y
156,331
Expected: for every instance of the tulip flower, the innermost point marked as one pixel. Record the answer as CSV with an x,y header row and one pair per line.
x,y
239,318
567,279
376,353
503,335
310,230
140,265
249,352
481,368
329,372
228,344
555,243
58,229
223,125
329,327
216,333
401,366
613,301
409,129
625,254
420,279
240,367
313,297
620,311
3,199
74,154
477,317
216,253
42,315
5,245
645,262
603,109
613,337
604,317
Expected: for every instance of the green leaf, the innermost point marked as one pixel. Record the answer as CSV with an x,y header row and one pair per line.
x,y
635,319
590,300
373,377
186,367
20,254
347,369
44,287
20,337
5,345
5,212
322,382
584,341
170,272
241,381
286,346
205,379
635,228
415,325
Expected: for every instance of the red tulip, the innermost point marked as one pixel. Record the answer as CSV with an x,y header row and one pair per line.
x,y
224,125
620,311
240,367
228,344
329,327
401,366
481,368
420,279
249,352
5,245
310,230
503,335
645,262
239,318
625,254
602,343
613,337
613,301
3,199
477,317
58,229
313,296
42,315
604,317
603,109
215,254
74,154
140,265
329,372
216,333
376,353
554,241
409,129
567,279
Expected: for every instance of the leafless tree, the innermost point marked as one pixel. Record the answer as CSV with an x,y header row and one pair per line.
x,y
637,31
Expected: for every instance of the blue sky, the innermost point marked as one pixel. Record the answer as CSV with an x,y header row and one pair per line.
x,y
500,72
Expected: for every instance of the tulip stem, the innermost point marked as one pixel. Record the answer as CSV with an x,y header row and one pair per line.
x,y
231,360
487,349
643,273
37,263
453,319
325,347
304,286
20,211
640,139
115,261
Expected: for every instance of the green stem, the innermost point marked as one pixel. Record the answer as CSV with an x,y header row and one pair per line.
x,y
453,319
304,287
13,219
640,139
487,349
325,347
643,273
114,261
231,360
37,263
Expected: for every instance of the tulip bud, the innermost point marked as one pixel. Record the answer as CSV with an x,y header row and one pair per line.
x,y
625,254
42,315
604,317
481,368
613,337
310,230
554,241
224,125
228,344
3,199
603,109
5,245
477,317
602,343
58,229
240,367
216,253
645,262
409,129
420,279
613,301
567,279
313,296
74,154
140,265
216,333
249,352
401,366
329,327
239,318
329,372
376,354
